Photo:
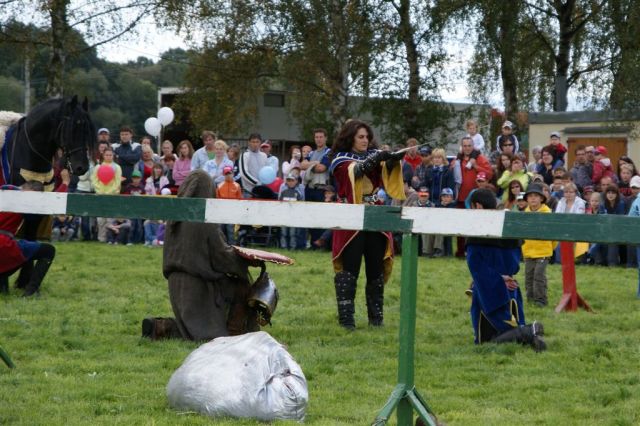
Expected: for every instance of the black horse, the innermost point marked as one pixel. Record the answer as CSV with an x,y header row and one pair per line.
x,y
31,147
34,140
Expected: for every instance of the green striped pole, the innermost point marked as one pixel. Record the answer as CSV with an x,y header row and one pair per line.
x,y
435,221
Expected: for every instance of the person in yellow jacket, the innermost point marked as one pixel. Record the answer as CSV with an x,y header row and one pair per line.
x,y
106,183
536,253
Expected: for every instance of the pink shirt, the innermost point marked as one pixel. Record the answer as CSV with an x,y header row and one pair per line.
x,y
181,169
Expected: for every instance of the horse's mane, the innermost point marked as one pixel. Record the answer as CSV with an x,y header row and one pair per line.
x,y
7,118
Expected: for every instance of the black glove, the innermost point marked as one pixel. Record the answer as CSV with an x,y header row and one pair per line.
x,y
370,163
394,159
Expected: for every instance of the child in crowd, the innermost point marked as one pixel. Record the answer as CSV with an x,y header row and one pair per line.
x,y
102,185
288,235
118,231
557,187
536,253
157,181
624,183
446,201
63,228
521,203
559,150
229,189
135,187
325,239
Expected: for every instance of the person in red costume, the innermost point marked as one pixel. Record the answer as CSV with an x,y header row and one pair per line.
x,y
360,171
17,254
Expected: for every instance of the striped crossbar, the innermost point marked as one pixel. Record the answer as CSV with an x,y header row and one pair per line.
x,y
437,221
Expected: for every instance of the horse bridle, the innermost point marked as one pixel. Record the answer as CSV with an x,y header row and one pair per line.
x,y
59,138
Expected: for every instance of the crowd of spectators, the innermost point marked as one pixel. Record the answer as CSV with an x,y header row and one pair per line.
x,y
591,185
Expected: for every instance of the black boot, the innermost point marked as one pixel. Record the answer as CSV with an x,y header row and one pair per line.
x,y
39,271
530,334
375,301
24,275
345,283
4,284
160,328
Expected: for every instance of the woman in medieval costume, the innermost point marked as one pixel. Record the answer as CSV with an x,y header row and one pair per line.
x,y
35,257
360,171
497,313
209,282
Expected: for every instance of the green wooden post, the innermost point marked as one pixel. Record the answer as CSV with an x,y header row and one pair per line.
x,y
404,396
5,357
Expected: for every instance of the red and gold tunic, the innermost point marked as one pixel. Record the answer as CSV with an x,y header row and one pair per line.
x,y
354,190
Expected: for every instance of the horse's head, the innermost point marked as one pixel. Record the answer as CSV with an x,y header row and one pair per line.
x,y
77,135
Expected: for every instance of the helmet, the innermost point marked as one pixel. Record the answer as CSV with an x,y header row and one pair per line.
x,y
264,298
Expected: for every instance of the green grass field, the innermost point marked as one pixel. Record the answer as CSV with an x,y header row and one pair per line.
x,y
80,359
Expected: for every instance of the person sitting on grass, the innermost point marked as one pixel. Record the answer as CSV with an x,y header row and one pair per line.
x,y
17,254
497,312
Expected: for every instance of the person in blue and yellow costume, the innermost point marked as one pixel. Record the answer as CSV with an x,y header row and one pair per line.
x,y
497,314
360,171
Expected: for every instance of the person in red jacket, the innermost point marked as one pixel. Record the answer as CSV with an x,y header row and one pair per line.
x,y
471,162
16,253
602,166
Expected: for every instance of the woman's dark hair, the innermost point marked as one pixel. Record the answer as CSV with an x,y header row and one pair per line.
x,y
614,203
501,169
485,197
510,196
344,141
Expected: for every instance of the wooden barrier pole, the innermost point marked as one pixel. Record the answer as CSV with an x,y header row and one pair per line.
x,y
571,299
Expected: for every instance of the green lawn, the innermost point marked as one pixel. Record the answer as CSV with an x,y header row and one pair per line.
x,y
80,359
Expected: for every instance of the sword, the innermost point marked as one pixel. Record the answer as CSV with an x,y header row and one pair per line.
x,y
400,151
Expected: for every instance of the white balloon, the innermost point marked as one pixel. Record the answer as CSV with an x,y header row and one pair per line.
x,y
152,126
165,115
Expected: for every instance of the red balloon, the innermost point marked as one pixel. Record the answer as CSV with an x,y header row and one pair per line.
x,y
275,185
106,173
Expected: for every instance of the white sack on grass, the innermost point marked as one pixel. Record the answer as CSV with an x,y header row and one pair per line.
x,y
251,375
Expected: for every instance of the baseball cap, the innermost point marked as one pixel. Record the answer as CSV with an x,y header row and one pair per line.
x,y
104,130
423,190
446,191
136,173
507,124
635,182
265,143
555,135
520,196
601,150
481,177
291,176
227,169
425,150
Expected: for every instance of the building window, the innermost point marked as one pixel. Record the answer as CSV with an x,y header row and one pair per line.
x,y
274,100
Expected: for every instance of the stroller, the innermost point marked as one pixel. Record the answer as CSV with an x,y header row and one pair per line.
x,y
265,236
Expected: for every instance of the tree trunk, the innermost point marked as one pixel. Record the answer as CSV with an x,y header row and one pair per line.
x,y
507,47
563,57
340,81
412,56
59,32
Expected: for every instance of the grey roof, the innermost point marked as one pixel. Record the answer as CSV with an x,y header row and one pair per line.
x,y
582,116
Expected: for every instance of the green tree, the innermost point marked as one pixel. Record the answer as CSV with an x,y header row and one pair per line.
x,y
11,94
